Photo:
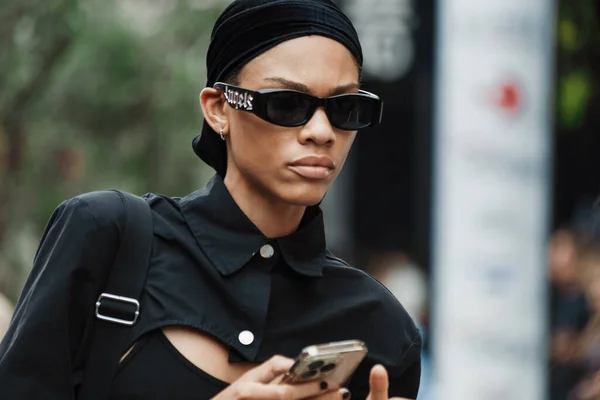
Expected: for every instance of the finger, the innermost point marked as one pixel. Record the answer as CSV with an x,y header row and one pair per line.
x,y
268,370
379,384
340,394
257,390
309,390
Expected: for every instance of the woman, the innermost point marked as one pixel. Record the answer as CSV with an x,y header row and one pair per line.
x,y
584,352
239,279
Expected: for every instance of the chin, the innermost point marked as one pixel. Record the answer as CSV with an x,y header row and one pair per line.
x,y
303,194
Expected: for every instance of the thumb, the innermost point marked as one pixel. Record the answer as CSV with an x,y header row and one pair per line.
x,y
379,383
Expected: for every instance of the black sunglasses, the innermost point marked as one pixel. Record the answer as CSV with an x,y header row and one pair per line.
x,y
290,108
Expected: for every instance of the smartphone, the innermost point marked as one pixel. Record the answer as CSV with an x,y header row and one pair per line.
x,y
333,362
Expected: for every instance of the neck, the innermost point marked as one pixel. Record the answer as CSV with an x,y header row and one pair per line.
x,y
273,217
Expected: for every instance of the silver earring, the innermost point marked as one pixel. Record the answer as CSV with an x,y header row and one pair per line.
x,y
221,134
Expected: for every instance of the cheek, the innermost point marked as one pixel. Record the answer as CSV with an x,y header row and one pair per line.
x,y
343,144
255,146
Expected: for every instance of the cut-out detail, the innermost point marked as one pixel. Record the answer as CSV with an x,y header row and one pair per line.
x,y
128,352
205,352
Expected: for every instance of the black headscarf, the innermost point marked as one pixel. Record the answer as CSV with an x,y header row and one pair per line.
x,y
247,28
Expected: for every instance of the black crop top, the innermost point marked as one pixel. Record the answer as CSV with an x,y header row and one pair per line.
x,y
156,370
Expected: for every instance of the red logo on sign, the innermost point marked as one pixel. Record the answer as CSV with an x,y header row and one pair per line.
x,y
508,97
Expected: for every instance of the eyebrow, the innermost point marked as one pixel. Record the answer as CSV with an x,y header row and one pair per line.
x,y
303,88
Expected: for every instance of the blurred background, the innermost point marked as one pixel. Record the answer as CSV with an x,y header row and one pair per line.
x,y
98,94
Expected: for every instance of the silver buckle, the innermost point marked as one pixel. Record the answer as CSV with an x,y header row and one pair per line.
x,y
123,300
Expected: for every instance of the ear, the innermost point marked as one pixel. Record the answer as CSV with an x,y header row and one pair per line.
x,y
213,106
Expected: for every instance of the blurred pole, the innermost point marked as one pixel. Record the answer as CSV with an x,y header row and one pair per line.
x,y
382,175
491,201
337,211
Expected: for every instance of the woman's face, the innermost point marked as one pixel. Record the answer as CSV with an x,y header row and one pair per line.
x,y
272,160
562,259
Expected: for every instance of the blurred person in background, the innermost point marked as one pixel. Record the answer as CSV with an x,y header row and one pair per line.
x,y
404,278
408,283
586,351
239,271
6,310
568,312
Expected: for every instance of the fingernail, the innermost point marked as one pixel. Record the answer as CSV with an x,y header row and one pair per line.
x,y
324,385
345,394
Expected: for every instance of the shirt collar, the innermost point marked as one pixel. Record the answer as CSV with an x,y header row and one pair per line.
x,y
229,239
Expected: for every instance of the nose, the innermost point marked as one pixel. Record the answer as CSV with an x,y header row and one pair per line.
x,y
318,130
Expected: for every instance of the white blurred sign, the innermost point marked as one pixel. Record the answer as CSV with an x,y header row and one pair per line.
x,y
385,31
491,198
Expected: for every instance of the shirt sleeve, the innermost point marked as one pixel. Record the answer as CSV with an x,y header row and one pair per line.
x,y
404,377
40,352
406,384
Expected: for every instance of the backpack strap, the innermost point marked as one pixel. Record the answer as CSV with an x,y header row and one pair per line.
x,y
118,307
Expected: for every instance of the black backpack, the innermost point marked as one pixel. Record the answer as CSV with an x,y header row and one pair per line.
x,y
118,307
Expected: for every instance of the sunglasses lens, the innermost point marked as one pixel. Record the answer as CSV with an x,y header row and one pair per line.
x,y
288,108
352,112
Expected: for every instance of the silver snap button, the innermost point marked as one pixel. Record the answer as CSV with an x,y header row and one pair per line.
x,y
267,251
246,338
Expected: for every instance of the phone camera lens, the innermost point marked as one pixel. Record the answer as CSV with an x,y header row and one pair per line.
x,y
316,365
328,367
309,374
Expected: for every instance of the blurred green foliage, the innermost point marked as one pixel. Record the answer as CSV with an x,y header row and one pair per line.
x,y
578,62
94,94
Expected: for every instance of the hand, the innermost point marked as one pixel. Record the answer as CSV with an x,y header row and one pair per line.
x,y
339,394
258,383
379,383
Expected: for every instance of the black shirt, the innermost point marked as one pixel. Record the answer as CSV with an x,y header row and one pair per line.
x,y
210,269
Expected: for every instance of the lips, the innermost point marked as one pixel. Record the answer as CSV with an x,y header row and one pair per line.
x,y
313,167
